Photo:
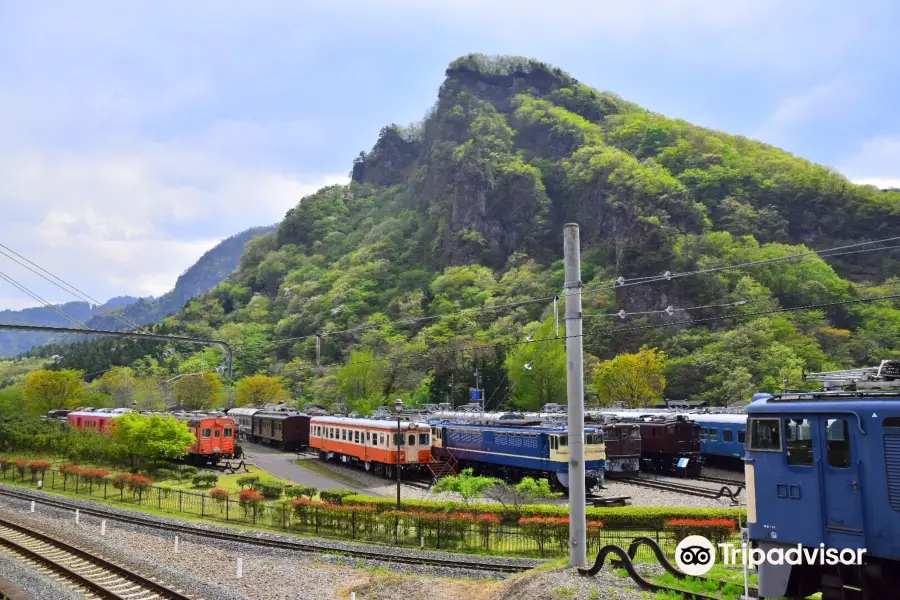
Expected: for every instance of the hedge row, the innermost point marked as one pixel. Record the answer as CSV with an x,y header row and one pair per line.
x,y
650,517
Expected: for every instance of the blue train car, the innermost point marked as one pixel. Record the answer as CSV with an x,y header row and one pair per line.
x,y
722,437
513,452
823,473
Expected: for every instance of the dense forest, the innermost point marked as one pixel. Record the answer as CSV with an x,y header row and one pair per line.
x,y
449,222
212,268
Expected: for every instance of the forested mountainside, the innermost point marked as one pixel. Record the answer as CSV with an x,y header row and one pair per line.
x,y
464,212
212,268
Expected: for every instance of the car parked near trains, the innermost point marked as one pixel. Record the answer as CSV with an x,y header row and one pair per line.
x,y
823,472
372,444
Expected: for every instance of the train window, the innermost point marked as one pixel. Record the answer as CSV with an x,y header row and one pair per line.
x,y
727,435
423,439
207,432
891,422
344,435
217,433
636,433
713,434
381,439
765,434
798,435
553,443
742,436
228,432
395,440
838,437
356,436
412,439
703,433
563,440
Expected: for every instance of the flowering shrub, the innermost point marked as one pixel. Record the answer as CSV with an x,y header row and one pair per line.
x,y
120,480
21,465
95,475
138,484
251,501
715,530
487,524
38,467
4,465
69,470
219,495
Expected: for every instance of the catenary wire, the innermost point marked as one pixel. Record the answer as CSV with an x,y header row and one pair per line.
x,y
43,302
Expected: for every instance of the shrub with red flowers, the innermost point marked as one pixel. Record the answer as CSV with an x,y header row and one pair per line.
x,y
219,495
38,466
95,475
5,465
69,470
251,502
487,524
138,485
715,530
21,465
119,480
545,529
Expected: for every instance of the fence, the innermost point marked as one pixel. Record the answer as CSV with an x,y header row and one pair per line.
x,y
364,524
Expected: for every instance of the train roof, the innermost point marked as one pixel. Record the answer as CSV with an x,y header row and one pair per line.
x,y
278,414
724,418
243,411
825,402
508,429
374,423
112,412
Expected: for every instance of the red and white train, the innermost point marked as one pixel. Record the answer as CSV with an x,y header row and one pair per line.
x,y
372,443
214,435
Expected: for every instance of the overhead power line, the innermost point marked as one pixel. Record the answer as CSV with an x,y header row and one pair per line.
x,y
43,302
63,285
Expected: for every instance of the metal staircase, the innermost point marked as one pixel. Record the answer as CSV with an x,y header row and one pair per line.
x,y
444,468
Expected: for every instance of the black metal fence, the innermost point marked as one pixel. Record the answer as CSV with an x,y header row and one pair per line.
x,y
439,532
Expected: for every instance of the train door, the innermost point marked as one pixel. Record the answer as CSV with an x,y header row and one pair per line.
x,y
412,448
841,491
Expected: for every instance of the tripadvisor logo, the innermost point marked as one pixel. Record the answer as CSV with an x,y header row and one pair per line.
x,y
695,555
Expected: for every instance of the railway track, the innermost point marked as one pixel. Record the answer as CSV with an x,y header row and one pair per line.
x,y
92,575
683,488
297,546
720,480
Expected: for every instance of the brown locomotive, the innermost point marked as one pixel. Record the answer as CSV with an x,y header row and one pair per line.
x,y
623,448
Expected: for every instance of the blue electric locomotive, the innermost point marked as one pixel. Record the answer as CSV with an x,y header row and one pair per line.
x,y
823,472
513,452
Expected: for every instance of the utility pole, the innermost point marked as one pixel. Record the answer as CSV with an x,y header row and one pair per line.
x,y
575,394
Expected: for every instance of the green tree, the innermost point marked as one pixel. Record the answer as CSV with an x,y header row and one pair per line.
x,y
466,484
256,390
119,383
537,371
53,390
362,381
152,436
632,380
197,391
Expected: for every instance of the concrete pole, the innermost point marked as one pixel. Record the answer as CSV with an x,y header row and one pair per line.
x,y
575,393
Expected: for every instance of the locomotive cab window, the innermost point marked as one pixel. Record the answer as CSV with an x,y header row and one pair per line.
x,y
423,439
765,434
727,435
207,432
228,432
837,435
563,440
554,444
798,435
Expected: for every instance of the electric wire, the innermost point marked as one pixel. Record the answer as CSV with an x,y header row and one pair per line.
x,y
43,302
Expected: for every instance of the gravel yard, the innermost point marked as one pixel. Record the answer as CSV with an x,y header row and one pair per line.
x,y
31,581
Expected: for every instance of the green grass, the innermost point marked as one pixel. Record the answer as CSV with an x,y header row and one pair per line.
x,y
317,467
228,482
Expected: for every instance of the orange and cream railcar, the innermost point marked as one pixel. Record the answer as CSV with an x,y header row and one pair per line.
x,y
213,438
372,444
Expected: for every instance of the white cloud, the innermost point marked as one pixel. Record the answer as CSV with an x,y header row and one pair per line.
x,y
876,162
819,102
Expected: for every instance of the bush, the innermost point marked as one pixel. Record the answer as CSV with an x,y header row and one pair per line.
x,y
95,475
186,472
163,474
21,465
639,517
39,467
138,484
205,480
715,530
301,491
120,480
5,465
251,501
270,489
337,495
248,481
219,495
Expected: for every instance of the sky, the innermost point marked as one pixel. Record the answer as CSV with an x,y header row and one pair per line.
x,y
136,135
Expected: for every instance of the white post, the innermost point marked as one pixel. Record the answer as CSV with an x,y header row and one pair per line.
x,y
352,595
77,516
40,484
32,506
102,527
575,395
240,568
177,548
422,543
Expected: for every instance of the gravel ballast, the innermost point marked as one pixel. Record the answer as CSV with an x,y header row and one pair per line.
x,y
34,583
